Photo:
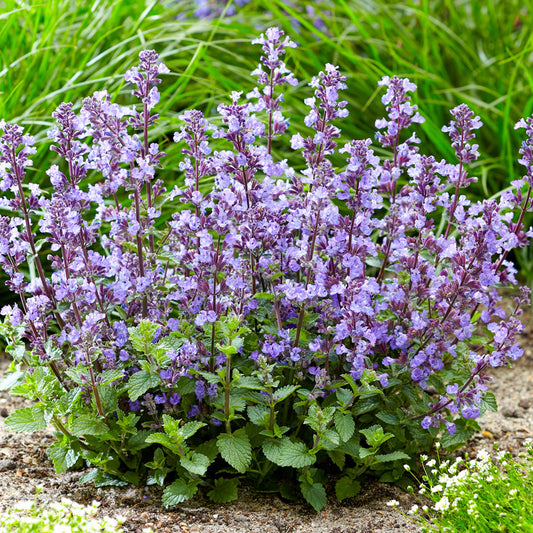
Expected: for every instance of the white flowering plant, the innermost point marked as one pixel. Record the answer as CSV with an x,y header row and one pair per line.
x,y
487,493
65,516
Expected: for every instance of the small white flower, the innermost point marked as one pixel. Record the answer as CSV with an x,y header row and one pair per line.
x,y
443,504
393,503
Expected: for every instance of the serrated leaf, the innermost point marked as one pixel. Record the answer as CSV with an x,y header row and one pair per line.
x,y
375,435
330,436
28,419
284,392
179,492
11,380
88,425
62,458
249,382
346,487
488,403
338,458
351,448
236,449
68,400
109,376
344,396
141,336
224,491
315,495
91,475
140,383
197,463
284,452
393,456
345,425
103,479
190,428
138,441
364,405
258,414
209,449
165,440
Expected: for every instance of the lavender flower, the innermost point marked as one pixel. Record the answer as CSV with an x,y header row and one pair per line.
x,y
327,279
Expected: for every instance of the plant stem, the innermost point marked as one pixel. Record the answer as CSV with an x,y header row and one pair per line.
x,y
227,382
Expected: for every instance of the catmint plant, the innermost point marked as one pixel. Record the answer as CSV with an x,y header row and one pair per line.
x,y
280,322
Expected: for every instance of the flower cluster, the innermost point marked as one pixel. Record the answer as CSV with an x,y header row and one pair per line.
x,y
320,278
480,492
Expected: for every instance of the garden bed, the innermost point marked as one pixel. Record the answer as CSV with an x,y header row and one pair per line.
x,y
25,466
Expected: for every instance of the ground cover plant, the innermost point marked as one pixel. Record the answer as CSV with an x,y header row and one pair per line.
x,y
478,494
287,325
65,516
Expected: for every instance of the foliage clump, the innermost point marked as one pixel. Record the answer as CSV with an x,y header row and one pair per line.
x,y
285,323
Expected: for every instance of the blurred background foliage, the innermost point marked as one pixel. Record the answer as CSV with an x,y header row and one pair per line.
x,y
474,51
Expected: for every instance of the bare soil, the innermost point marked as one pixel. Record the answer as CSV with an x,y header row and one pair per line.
x,y
24,466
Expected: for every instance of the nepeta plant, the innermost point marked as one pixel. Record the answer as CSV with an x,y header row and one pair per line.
x,y
282,324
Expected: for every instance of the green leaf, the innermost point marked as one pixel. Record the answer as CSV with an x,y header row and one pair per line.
x,y
62,457
375,435
364,405
110,375
209,449
258,414
197,463
465,428
224,491
284,452
210,377
140,382
488,403
28,419
351,448
345,425
88,425
338,458
393,456
68,399
165,440
138,441
189,429
330,436
141,336
388,418
179,492
11,380
264,295
347,487
344,396
248,382
236,449
315,495
103,479
284,392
